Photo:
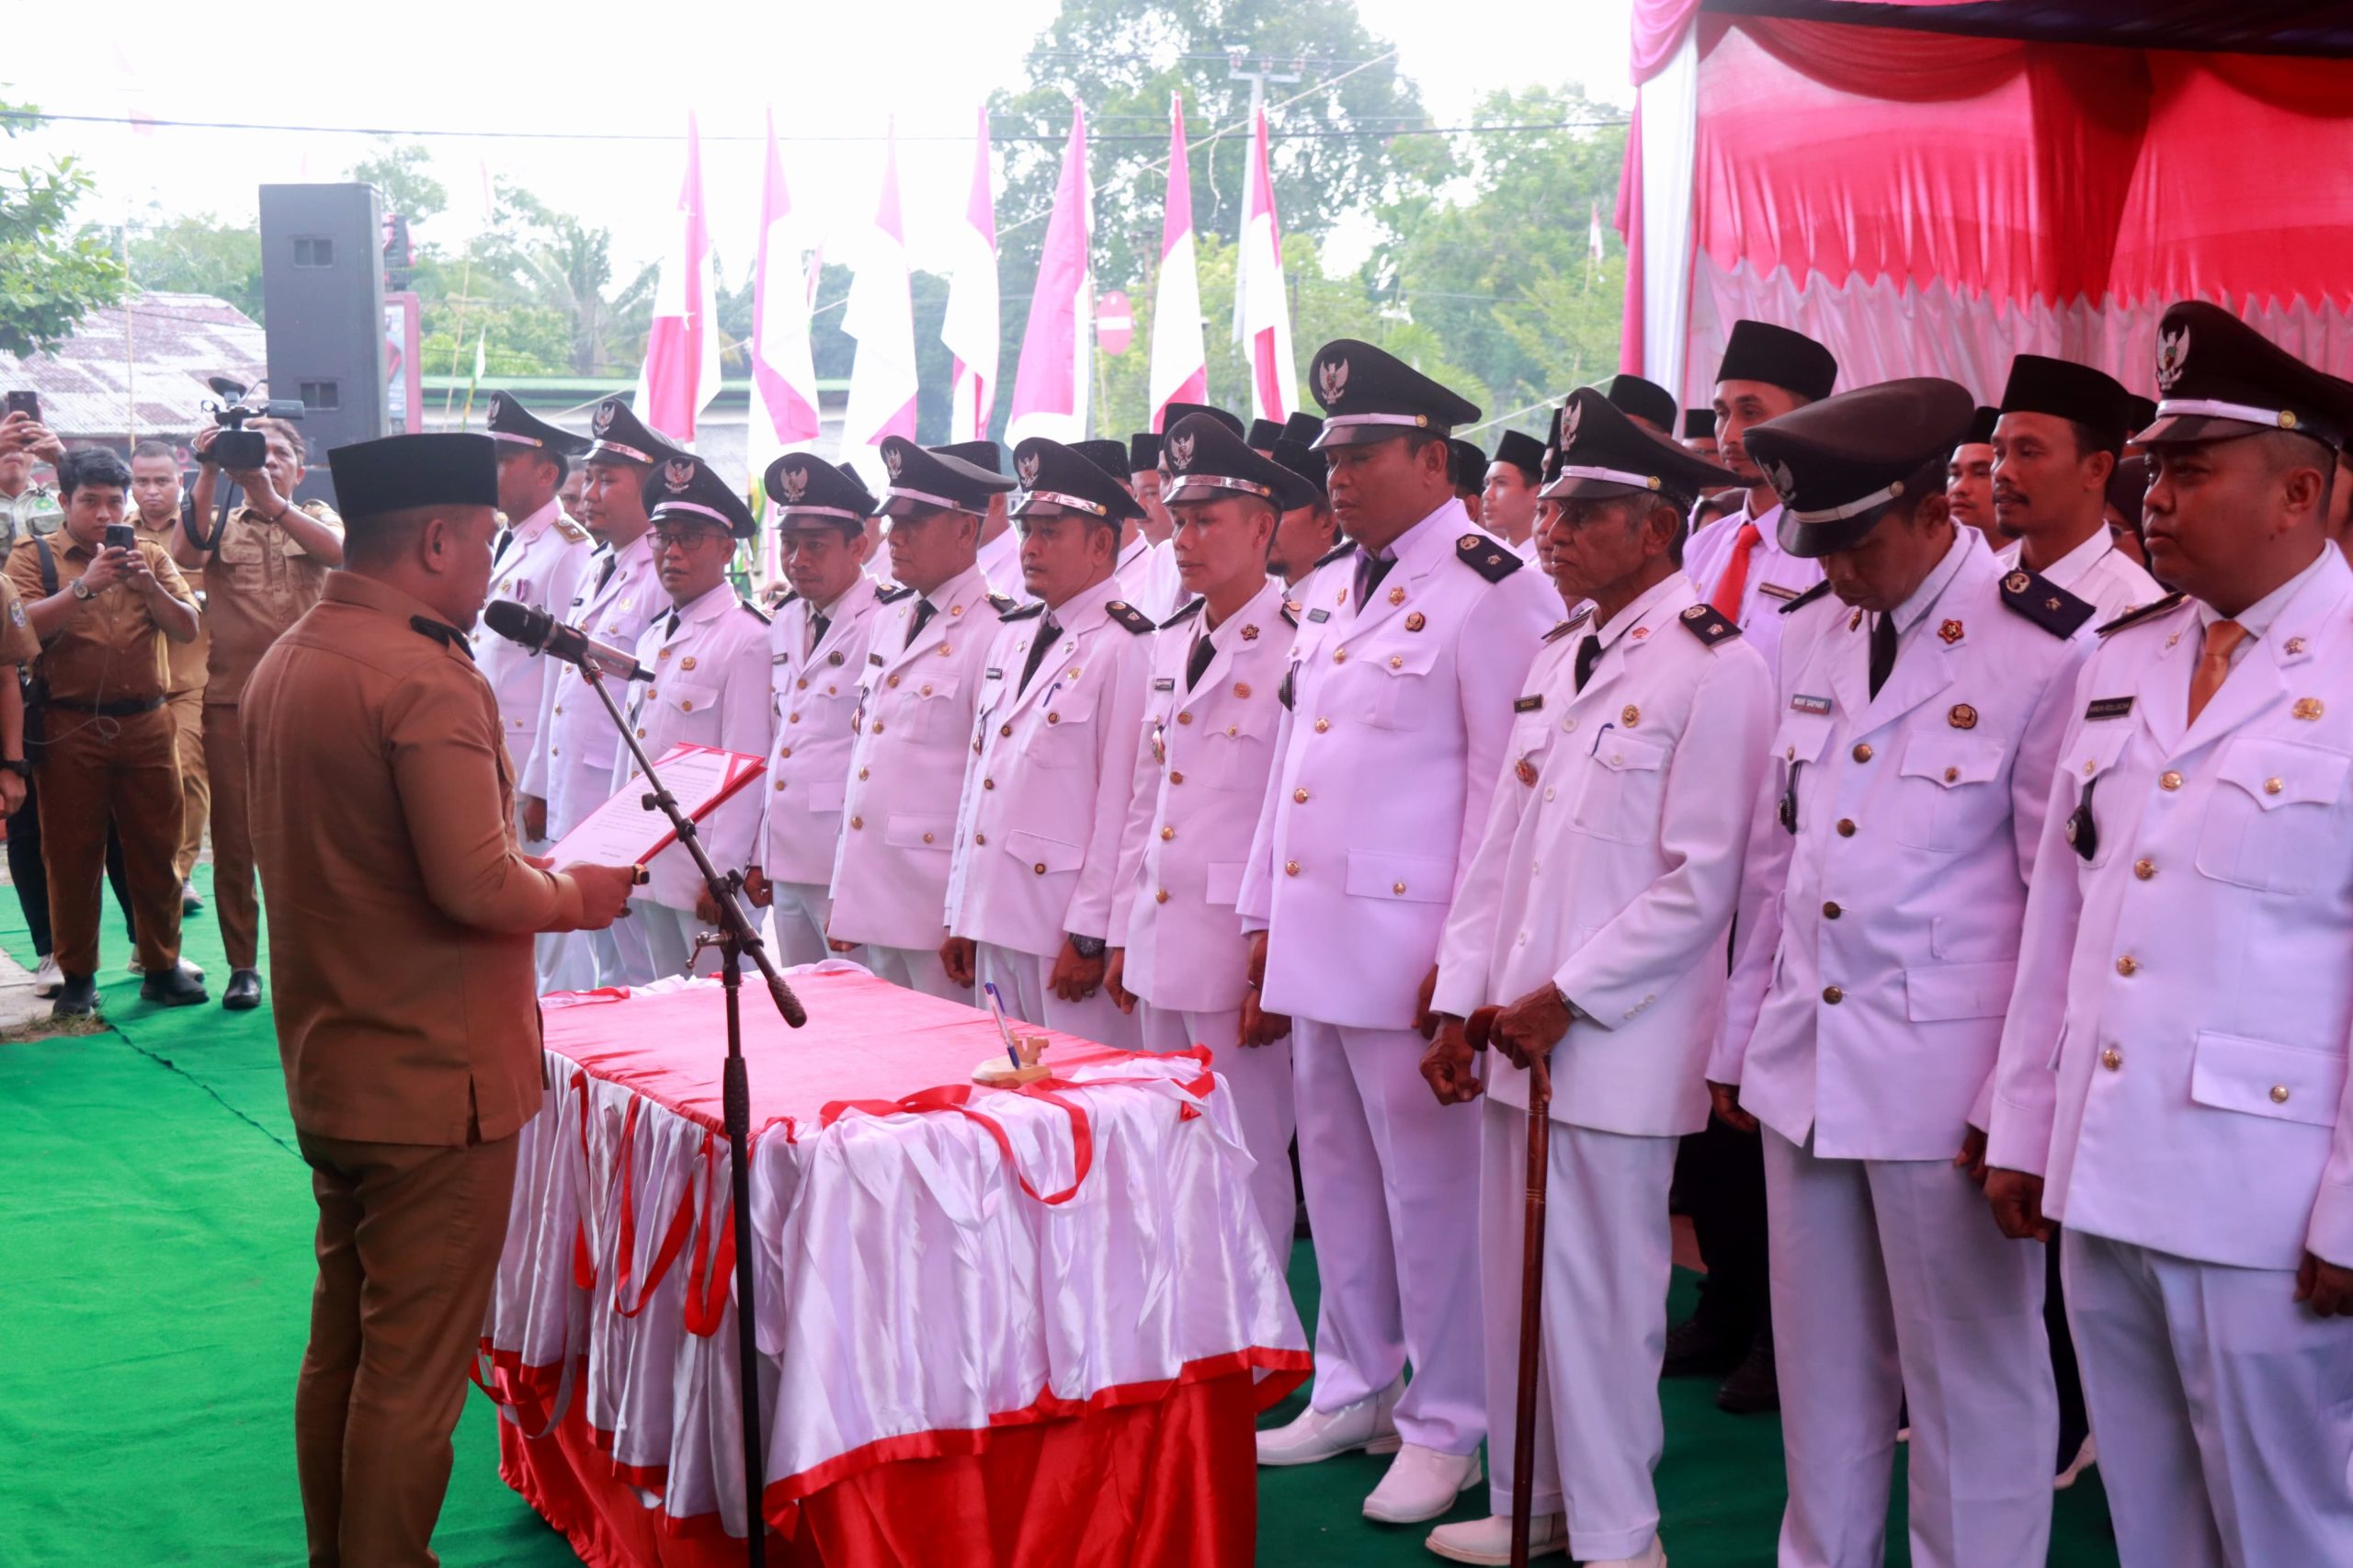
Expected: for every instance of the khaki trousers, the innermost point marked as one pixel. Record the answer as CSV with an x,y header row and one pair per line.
x,y
234,898
93,769
408,1243
186,709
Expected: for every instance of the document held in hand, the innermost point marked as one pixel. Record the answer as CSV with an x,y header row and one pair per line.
x,y
625,831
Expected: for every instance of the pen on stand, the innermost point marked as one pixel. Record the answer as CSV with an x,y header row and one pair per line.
x,y
997,1011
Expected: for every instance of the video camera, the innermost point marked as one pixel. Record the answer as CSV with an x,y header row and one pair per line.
x,y
236,446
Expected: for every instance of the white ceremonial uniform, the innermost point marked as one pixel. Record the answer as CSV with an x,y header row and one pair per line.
x,y
1000,562
2175,1065
709,661
2111,582
1148,580
1880,937
1201,764
914,736
1776,577
572,769
1386,757
538,565
812,711
1608,868
1045,797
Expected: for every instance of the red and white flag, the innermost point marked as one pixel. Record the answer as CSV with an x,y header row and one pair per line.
x,y
881,317
1261,304
969,328
1180,361
681,371
1050,383
784,376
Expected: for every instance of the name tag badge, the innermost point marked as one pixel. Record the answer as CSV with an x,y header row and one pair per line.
x,y
1802,703
994,674
1166,683
780,658
874,659
1775,591
1319,614
2108,707
1529,704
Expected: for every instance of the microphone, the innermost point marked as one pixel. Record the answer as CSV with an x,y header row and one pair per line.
x,y
537,630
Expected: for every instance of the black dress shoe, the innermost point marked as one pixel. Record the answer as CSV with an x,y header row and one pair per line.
x,y
1754,1387
1701,1347
191,902
174,987
245,991
78,998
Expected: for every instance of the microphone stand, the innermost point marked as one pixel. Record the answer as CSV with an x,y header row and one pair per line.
x,y
735,939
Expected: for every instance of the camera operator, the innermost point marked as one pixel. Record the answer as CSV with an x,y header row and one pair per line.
x,y
104,603
156,492
269,565
26,508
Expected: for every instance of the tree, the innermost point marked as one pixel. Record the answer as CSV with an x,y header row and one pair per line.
x,y
48,281
201,255
401,173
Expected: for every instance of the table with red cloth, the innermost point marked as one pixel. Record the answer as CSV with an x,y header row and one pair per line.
x,y
1017,1327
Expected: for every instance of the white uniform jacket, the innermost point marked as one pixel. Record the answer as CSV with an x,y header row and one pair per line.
x,y
1611,859
2175,1058
1396,716
572,769
1148,580
914,734
1776,577
1201,763
813,709
2111,582
1052,768
709,688
539,565
1894,839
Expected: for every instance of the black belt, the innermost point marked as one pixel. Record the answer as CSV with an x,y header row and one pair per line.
x,y
110,710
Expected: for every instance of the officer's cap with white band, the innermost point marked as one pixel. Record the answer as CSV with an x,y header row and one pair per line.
x,y
1206,461
1055,480
1370,394
2218,379
809,491
687,489
1840,464
933,479
1598,452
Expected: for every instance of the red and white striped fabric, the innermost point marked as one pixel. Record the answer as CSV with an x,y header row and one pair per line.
x,y
1261,304
1180,362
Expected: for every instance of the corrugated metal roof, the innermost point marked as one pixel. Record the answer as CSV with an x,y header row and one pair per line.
x,y
175,341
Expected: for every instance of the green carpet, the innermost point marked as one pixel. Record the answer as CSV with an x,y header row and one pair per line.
x,y
156,1288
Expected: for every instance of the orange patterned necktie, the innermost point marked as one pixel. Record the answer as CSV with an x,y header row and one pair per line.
x,y
1732,583
2213,664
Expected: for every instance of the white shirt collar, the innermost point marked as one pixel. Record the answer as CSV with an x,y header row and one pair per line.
x,y
2257,618
1615,627
1909,613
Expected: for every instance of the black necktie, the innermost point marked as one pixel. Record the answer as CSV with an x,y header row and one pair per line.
x,y
1047,635
1882,652
1196,664
1370,570
672,630
505,537
924,610
818,625
1588,655
605,572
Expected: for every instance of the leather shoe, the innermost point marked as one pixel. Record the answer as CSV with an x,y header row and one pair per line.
x,y
77,996
244,993
174,987
1421,1485
1754,1386
1488,1541
191,902
1317,1435
1700,1346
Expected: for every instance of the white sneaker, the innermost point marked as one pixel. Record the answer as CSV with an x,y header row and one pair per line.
x,y
1488,1541
48,979
1318,1435
1421,1485
2086,1457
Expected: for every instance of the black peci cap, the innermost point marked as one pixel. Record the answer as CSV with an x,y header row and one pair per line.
x,y
1551,466
2039,384
1644,400
811,490
1839,463
2218,379
980,454
1465,464
1303,427
511,424
1206,462
1759,351
616,435
398,473
1056,479
1144,452
1981,429
1698,423
689,489
1523,451
1176,410
1305,461
2144,414
1264,433
929,478
1111,457
1604,453
1369,394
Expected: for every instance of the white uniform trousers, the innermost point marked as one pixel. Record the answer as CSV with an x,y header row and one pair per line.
x,y
657,942
1891,1282
1020,981
1608,1250
917,969
583,960
2224,1410
797,916
1258,1078
1391,1178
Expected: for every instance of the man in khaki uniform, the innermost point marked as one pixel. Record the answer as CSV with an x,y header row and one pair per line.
x,y
383,808
104,613
269,565
155,491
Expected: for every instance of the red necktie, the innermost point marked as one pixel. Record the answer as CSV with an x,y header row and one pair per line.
x,y
1731,586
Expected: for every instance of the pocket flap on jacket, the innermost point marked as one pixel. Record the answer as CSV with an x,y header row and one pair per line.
x,y
1409,879
1952,759
1622,752
1945,993
2280,773
2286,1083
1036,849
905,832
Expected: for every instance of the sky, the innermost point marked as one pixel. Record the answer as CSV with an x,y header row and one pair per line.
x,y
580,70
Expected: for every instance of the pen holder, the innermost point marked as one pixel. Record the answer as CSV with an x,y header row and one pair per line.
x,y
996,1073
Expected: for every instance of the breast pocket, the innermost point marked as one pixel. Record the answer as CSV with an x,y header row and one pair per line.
x,y
2084,771
2271,822
1063,733
925,709
1797,750
690,708
1620,788
1398,687
1237,753
1950,792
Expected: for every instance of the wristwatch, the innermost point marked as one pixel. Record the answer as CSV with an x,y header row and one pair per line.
x,y
18,766
1088,948
82,591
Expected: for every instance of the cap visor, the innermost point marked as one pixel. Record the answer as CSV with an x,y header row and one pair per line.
x,y
1578,487
1366,434
1810,541
908,506
2181,428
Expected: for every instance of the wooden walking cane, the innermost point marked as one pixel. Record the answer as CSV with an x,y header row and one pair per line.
x,y
1531,1284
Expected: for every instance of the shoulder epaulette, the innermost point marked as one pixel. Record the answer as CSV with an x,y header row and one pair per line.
x,y
1291,613
1346,547
448,636
2146,612
570,529
1486,555
1569,625
2045,603
1127,615
789,598
755,611
1709,624
1807,598
1004,604
1023,612
1190,610
891,595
